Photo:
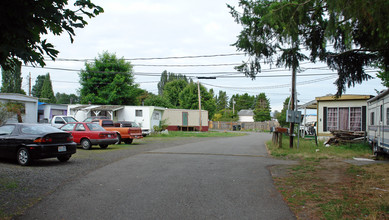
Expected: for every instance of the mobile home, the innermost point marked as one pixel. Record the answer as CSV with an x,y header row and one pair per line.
x,y
378,122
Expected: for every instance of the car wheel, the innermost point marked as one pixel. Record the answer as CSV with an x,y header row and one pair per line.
x,y
85,143
128,141
119,139
23,157
103,146
64,158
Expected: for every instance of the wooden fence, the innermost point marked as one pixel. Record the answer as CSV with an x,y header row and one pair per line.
x,y
251,126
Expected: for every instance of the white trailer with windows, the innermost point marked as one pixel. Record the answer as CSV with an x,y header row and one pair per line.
x,y
378,122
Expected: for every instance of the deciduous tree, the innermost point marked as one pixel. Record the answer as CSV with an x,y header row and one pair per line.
x,y
108,81
24,22
189,99
173,89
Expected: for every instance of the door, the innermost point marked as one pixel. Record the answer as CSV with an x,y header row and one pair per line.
x,y
185,119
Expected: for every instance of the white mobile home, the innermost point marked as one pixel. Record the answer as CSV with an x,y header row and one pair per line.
x,y
146,116
378,122
30,104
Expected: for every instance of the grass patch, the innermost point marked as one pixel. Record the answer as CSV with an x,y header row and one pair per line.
x,y
307,149
198,134
322,186
8,184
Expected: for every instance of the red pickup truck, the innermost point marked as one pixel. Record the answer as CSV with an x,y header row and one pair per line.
x,y
126,134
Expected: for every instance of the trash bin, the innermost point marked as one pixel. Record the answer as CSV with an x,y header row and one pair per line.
x,y
238,127
234,127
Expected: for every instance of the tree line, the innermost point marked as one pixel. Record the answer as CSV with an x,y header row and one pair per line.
x,y
109,80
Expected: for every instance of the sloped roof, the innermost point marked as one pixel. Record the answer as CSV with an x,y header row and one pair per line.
x,y
246,112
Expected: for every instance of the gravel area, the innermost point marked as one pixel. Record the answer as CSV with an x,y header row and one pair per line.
x,y
22,187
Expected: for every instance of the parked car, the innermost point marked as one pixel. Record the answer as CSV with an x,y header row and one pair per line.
x,y
126,134
27,142
131,124
59,120
90,119
87,134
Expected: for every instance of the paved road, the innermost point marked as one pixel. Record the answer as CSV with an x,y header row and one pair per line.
x,y
223,178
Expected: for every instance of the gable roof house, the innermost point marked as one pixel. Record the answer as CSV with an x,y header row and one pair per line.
x,y
246,115
347,112
30,104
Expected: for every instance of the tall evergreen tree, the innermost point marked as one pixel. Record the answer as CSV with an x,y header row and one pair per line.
x,y
275,31
37,88
47,93
167,77
262,108
221,101
11,79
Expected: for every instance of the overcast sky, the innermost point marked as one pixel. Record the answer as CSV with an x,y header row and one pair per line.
x,y
175,28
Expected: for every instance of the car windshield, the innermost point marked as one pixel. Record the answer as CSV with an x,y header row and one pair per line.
x,y
6,129
95,127
69,119
134,124
38,129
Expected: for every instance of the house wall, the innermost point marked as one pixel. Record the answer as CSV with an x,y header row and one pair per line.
x,y
50,110
30,103
174,119
246,118
334,104
128,113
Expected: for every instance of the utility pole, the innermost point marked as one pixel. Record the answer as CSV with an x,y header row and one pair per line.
x,y
233,106
292,105
29,84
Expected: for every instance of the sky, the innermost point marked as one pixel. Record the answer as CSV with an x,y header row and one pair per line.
x,y
188,33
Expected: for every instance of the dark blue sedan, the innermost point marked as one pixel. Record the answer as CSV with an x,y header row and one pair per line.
x,y
27,142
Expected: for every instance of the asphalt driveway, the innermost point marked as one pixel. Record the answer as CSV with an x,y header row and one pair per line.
x,y
223,178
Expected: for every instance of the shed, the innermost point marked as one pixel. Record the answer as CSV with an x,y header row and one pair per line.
x,y
246,115
30,111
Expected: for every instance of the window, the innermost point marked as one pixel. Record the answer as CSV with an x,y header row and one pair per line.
x,y
381,113
387,116
156,116
372,118
138,113
80,127
355,119
345,118
332,119
6,129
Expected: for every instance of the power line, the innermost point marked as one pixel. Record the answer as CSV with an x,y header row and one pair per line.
x,y
155,58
